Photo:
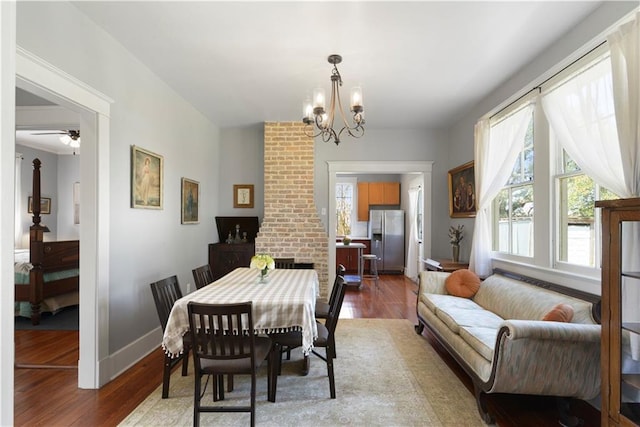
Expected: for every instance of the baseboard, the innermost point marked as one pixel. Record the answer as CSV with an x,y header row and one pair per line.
x,y
131,354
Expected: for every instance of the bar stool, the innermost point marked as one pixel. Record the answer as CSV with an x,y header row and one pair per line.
x,y
373,267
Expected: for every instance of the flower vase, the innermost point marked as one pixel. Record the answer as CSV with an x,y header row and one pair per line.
x,y
456,253
263,276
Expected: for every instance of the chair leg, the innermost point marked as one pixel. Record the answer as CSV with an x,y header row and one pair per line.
x,y
196,400
253,398
230,383
185,362
332,382
166,375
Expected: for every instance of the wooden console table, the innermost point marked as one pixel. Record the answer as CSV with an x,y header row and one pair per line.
x,y
447,265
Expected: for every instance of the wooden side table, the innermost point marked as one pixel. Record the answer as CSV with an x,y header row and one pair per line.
x,y
448,265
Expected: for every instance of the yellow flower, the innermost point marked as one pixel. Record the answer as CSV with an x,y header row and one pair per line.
x,y
262,262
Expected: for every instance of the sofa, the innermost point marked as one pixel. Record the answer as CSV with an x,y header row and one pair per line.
x,y
499,338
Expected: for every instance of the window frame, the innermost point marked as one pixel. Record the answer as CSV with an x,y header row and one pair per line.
x,y
353,181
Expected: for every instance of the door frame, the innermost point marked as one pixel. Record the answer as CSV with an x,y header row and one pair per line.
x,y
46,81
377,167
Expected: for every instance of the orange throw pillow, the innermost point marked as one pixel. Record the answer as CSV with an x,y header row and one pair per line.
x,y
560,313
462,283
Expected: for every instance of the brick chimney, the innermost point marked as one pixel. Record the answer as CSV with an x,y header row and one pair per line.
x,y
291,227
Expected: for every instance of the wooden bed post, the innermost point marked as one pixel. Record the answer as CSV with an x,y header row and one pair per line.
x,y
36,250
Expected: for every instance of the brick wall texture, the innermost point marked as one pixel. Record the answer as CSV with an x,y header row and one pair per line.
x,y
291,227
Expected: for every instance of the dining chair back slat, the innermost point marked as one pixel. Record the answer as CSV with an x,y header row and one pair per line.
x,y
286,263
202,276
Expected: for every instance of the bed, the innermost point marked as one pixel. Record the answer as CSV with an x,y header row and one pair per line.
x,y
48,279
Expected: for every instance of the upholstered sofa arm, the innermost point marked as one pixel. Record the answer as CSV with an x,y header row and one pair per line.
x,y
432,282
559,331
546,358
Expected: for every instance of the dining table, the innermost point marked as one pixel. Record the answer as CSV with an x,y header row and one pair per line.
x,y
285,302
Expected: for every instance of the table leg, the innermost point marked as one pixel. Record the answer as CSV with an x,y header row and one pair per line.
x,y
306,365
360,266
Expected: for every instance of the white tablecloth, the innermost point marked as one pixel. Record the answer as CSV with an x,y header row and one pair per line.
x,y
285,303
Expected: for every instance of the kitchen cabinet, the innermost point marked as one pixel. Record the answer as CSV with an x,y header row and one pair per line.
x,y
620,370
363,201
376,193
348,256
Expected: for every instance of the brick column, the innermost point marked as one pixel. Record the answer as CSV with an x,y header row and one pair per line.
x,y
291,227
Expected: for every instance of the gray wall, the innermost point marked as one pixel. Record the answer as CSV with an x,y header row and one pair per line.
x,y
145,245
48,188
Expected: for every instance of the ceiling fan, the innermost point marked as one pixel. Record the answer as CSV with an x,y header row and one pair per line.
x,y
67,137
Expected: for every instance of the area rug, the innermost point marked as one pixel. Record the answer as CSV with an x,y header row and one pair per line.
x,y
386,375
66,319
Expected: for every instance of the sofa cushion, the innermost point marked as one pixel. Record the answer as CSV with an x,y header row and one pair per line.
x,y
483,340
462,283
454,318
514,299
560,313
436,301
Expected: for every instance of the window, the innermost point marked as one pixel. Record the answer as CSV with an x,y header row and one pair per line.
x,y
578,220
345,205
513,207
573,123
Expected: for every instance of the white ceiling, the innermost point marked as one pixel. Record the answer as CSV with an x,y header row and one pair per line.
x,y
421,64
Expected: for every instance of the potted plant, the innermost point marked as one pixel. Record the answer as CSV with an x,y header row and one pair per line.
x,y
455,234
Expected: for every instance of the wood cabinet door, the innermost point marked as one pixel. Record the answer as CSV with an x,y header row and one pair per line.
x,y
363,201
342,257
376,193
391,193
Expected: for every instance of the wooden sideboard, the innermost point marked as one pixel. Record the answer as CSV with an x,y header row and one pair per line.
x,y
225,257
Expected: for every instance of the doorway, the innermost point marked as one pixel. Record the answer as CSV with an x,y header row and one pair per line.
x,y
48,82
378,167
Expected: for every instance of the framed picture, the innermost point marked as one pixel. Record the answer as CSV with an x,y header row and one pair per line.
x,y
45,205
462,192
147,179
189,201
243,196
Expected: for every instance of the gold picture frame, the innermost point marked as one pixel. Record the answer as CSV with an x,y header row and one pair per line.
x,y
190,198
243,196
462,191
45,205
147,179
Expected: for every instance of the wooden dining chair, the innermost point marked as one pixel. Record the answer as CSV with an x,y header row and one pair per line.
x,y
165,293
225,344
322,307
285,262
202,276
326,339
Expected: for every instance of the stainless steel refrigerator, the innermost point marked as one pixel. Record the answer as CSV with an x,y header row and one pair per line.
x,y
386,231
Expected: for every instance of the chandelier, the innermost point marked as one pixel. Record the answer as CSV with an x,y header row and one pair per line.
x,y
314,111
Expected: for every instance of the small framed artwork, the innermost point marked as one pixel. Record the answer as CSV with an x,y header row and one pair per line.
x,y
147,179
190,198
243,196
462,191
45,205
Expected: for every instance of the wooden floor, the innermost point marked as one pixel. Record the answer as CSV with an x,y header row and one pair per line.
x,y
49,395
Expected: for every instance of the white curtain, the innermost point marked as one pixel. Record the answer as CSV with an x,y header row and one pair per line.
x,y
18,202
496,150
624,45
582,115
412,249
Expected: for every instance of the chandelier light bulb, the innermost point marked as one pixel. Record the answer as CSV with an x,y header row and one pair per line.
x,y
356,99
65,139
